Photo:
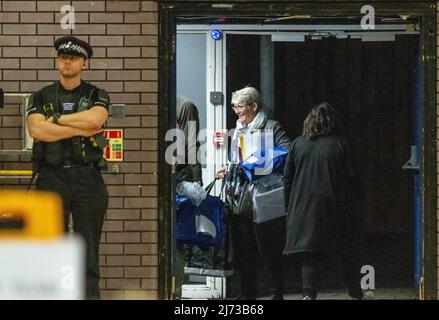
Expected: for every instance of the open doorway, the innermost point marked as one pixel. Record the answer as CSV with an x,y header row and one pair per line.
x,y
373,87
383,119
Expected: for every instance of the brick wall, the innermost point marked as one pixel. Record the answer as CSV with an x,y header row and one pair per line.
x,y
124,36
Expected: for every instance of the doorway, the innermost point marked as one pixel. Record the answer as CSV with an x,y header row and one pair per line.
x,y
372,86
395,219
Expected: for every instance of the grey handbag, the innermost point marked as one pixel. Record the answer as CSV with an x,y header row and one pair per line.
x,y
268,198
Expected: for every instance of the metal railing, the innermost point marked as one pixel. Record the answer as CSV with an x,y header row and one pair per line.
x,y
27,139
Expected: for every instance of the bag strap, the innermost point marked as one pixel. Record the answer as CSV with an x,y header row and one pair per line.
x,y
209,187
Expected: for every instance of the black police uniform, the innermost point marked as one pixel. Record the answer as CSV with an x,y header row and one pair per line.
x,y
71,167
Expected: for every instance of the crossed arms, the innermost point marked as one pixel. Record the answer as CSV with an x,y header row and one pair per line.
x,y
85,123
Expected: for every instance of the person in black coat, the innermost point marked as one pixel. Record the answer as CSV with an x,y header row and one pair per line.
x,y
320,196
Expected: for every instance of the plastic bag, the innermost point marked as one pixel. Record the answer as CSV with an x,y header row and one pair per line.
x,y
213,260
262,163
202,225
193,191
268,198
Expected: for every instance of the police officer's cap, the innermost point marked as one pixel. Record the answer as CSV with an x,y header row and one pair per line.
x,y
73,46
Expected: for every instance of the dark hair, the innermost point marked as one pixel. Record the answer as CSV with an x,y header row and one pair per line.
x,y
320,121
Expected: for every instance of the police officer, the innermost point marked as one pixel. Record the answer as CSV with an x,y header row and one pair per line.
x,y
65,119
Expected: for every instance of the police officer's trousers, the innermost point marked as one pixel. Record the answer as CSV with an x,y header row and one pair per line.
x,y
84,196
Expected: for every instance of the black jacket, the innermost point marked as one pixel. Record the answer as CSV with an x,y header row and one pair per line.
x,y
320,195
236,189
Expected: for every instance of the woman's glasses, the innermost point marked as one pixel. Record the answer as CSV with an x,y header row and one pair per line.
x,y
239,107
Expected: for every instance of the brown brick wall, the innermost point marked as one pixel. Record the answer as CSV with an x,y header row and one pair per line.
x,y
124,36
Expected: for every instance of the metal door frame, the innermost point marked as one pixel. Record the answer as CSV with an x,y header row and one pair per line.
x,y
426,13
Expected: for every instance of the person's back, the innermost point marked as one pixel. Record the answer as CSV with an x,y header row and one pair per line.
x,y
324,163
319,194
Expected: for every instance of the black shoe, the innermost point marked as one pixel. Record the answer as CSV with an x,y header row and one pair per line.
x,y
277,296
309,294
356,294
245,297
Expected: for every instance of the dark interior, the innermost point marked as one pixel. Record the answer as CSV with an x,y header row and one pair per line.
x,y
371,85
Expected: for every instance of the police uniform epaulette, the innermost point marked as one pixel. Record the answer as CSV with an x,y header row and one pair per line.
x,y
55,83
47,88
88,84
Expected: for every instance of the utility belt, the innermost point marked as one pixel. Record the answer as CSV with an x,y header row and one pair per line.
x,y
67,163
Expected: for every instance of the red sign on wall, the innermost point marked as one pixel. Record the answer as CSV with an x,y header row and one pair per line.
x,y
218,138
114,150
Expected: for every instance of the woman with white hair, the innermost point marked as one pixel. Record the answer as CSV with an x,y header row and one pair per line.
x,y
253,240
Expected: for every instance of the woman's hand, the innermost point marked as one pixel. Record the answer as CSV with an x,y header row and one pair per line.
x,y
221,173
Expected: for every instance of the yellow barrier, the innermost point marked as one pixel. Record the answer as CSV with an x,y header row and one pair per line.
x,y
40,215
15,172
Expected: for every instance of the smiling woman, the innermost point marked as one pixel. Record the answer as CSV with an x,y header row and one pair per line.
x,y
246,104
253,241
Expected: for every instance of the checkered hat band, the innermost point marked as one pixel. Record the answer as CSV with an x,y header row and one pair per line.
x,y
73,47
